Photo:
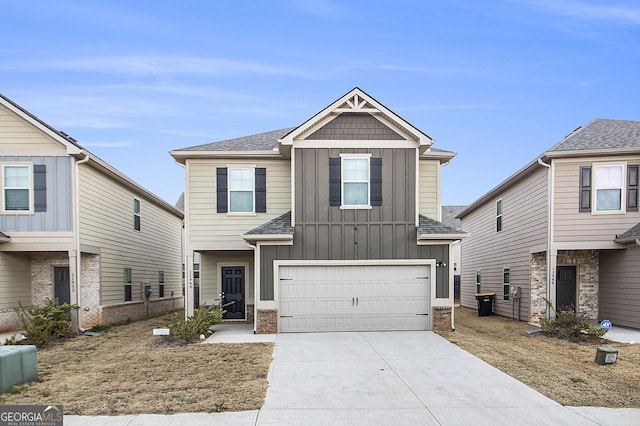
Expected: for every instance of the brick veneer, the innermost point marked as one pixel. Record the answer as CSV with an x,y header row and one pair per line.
x,y
116,314
538,287
441,318
267,321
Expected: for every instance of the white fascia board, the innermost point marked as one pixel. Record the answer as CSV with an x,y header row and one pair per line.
x,y
182,156
592,152
267,237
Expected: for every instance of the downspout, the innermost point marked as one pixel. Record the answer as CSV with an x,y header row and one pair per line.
x,y
549,230
77,238
256,285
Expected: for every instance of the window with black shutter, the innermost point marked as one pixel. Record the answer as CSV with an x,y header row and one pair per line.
x,y
355,181
585,189
632,187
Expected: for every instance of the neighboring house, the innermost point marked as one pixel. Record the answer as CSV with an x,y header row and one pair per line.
x,y
572,212
331,225
450,219
75,228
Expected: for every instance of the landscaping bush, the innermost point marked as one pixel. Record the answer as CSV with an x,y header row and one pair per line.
x,y
569,325
42,324
199,324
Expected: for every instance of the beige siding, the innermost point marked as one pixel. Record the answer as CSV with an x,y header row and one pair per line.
x,y
524,216
106,222
209,230
20,138
619,286
429,180
574,226
15,279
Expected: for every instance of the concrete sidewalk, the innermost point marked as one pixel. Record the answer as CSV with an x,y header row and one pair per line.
x,y
386,378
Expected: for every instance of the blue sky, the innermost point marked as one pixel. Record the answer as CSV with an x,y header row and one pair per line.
x,y
497,82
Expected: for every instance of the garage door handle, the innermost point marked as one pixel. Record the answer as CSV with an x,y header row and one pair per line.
x,y
357,303
286,316
353,301
423,314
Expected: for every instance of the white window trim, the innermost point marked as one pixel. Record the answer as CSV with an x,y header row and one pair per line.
x,y
508,294
30,210
138,214
499,200
342,182
253,191
623,189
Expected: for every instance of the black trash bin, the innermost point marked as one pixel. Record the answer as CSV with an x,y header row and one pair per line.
x,y
485,304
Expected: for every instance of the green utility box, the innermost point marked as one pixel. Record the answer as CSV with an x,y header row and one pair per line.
x,y
606,355
18,364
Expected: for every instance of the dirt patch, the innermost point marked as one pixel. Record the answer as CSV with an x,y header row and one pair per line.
x,y
562,370
127,370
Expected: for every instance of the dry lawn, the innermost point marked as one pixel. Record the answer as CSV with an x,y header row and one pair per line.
x,y
123,371
562,370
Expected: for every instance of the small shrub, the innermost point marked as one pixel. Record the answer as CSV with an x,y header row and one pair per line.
x,y
569,325
42,324
198,324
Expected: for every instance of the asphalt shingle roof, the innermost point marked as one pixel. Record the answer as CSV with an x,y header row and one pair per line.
x,y
602,134
630,234
259,142
449,214
281,225
426,225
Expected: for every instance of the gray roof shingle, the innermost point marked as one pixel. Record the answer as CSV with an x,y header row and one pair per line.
x,y
426,226
602,134
281,225
449,214
630,234
266,141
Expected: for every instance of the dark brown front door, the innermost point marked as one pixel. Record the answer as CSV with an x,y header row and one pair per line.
x,y
233,291
566,288
62,289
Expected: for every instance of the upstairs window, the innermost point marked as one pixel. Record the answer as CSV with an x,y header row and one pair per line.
x,y
355,181
16,188
241,190
609,183
136,214
499,215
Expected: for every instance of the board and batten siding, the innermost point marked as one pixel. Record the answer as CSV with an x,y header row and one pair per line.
x,y
619,296
209,230
106,222
59,214
19,137
571,225
429,186
524,218
15,279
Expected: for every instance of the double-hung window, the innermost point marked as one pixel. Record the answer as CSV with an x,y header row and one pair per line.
x,y
241,190
136,214
609,184
499,215
506,283
355,181
16,188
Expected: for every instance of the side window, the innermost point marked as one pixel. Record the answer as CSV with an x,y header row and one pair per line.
x,y
16,188
160,283
136,214
499,215
478,280
127,285
506,281
609,183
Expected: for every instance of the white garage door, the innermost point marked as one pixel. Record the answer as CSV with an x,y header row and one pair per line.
x,y
354,297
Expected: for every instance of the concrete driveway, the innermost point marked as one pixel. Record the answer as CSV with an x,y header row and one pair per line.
x,y
396,378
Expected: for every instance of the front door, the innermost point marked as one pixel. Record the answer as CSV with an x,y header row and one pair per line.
x,y
233,291
62,290
566,288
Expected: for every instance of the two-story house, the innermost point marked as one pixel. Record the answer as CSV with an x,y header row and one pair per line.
x,y
565,230
75,228
331,225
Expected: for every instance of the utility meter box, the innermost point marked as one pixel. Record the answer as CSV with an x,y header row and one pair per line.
x,y
606,355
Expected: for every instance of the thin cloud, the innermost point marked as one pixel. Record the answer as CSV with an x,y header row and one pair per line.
x,y
592,12
120,144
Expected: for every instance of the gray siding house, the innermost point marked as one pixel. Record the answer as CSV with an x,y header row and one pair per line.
x,y
331,225
75,228
565,230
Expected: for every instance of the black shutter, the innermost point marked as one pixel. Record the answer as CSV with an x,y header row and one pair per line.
x,y
261,189
632,188
585,189
221,189
40,187
375,165
335,182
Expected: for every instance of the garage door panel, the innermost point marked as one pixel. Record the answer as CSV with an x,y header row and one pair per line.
x,y
354,297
